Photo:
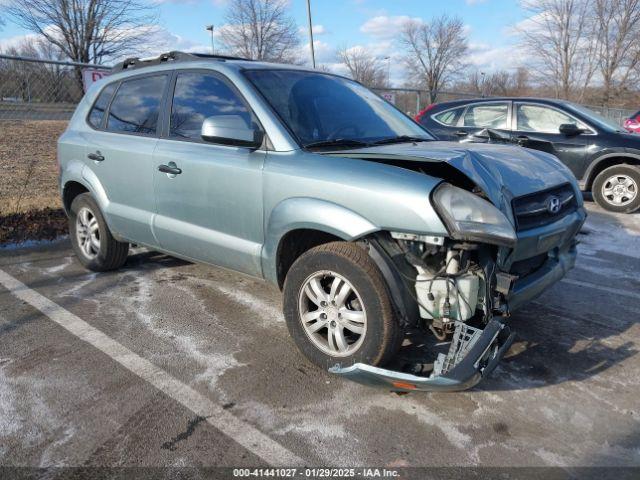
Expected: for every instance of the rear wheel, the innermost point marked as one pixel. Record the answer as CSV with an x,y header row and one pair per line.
x,y
91,239
617,188
338,309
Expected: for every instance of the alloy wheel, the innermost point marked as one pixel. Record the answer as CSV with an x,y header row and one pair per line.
x,y
88,233
332,313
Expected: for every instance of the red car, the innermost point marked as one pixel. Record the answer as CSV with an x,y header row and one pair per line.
x,y
632,124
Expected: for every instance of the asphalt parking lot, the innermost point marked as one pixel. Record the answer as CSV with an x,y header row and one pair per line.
x,y
167,363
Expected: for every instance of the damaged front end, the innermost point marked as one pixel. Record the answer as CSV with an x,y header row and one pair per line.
x,y
461,288
473,355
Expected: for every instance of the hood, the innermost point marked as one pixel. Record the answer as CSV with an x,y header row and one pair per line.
x,y
501,171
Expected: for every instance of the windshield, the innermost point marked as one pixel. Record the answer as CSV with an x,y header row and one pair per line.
x,y
325,110
596,118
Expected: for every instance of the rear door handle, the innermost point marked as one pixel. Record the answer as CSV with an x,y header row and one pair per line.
x,y
172,170
96,157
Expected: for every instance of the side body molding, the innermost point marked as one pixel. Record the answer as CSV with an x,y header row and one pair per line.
x,y
308,213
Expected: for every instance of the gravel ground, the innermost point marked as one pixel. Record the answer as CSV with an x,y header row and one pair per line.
x,y
566,395
28,163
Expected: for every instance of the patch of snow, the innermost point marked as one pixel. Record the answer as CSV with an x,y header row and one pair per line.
x,y
33,243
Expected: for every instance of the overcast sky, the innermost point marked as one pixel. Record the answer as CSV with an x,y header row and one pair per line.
x,y
370,23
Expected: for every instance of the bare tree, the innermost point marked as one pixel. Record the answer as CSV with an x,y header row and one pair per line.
x,y
618,30
521,84
499,83
261,30
559,37
435,51
364,67
88,31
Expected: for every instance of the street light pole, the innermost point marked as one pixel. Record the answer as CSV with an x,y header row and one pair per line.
x,y
388,59
210,29
313,54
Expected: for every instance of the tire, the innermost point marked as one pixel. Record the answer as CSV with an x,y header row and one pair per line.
x,y
368,300
624,177
95,247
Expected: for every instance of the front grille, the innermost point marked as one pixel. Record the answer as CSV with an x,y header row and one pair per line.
x,y
535,210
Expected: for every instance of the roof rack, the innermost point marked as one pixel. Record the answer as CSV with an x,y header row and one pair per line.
x,y
175,56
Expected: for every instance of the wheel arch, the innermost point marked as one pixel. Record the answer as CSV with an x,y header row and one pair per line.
x,y
298,224
606,161
70,191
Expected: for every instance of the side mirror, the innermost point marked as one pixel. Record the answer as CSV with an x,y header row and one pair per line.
x,y
231,130
570,129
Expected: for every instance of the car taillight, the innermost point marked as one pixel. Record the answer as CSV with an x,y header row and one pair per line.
x,y
424,111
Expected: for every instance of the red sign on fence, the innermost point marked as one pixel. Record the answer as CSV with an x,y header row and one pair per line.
x,y
91,75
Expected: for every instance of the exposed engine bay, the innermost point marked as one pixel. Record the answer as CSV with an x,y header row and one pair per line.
x,y
459,297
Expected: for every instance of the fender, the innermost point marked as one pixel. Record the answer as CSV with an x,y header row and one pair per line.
x,y
72,172
589,175
96,188
309,213
75,171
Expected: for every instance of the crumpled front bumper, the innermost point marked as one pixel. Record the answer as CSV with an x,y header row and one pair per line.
x,y
479,362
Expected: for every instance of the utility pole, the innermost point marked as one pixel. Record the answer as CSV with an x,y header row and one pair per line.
x,y
210,29
313,55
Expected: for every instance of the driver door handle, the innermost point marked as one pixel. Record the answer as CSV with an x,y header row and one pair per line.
x,y
461,133
522,139
172,170
96,157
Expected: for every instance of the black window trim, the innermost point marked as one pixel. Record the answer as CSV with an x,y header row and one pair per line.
x,y
168,105
119,82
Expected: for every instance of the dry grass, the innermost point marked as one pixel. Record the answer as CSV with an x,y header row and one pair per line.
x,y
28,165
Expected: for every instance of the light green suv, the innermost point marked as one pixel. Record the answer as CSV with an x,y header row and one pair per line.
x,y
314,183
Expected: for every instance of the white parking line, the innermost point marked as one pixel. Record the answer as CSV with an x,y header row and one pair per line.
x,y
244,434
614,291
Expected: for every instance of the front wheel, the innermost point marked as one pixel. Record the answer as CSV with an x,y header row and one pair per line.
x,y
338,308
91,238
616,188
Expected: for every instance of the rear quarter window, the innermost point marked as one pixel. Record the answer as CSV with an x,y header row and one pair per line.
x,y
136,106
449,117
96,115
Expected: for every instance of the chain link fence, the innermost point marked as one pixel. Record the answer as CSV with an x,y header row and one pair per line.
x,y
411,101
37,98
616,115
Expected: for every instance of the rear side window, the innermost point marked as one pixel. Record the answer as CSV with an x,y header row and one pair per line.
x,y
136,106
199,95
449,117
97,111
487,115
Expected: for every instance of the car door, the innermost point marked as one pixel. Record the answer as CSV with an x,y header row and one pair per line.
x,y
537,126
211,210
479,116
119,154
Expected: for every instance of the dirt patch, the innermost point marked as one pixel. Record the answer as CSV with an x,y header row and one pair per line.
x,y
29,166
44,224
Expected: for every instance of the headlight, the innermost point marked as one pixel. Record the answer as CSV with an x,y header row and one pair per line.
x,y
469,217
